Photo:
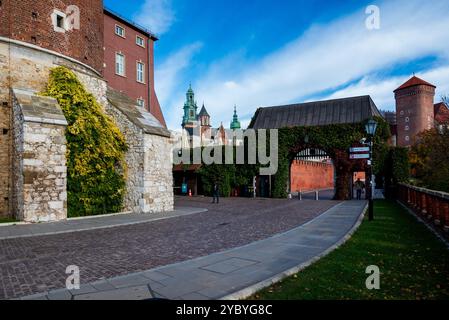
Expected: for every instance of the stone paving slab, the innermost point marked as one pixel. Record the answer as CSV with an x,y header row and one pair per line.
x,y
234,273
89,223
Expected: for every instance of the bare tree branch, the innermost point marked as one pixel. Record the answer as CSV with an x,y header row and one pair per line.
x,y
445,99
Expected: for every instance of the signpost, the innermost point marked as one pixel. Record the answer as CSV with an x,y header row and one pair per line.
x,y
359,149
359,156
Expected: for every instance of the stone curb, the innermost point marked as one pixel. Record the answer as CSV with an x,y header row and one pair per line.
x,y
195,211
249,291
22,223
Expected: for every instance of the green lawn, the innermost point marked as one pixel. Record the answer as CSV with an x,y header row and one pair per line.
x,y
413,263
7,220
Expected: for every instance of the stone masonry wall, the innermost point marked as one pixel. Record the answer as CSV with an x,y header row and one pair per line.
x,y
158,176
24,67
149,181
28,68
5,145
5,133
40,172
44,173
134,159
17,165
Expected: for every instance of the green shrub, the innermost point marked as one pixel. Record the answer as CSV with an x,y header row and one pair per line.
x,y
96,169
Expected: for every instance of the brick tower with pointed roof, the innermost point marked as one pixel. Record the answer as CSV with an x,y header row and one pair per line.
x,y
414,109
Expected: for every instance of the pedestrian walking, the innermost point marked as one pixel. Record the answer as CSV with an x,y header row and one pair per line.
x,y
359,186
216,193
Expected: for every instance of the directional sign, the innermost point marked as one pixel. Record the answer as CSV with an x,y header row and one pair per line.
x,y
359,149
359,156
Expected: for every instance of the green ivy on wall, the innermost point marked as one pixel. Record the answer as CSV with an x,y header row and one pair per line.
x,y
96,169
335,140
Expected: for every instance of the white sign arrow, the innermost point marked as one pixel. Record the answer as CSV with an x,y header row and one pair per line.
x,y
359,156
359,149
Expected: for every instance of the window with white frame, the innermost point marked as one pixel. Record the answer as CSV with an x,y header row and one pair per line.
x,y
140,41
120,31
120,64
58,20
140,72
141,102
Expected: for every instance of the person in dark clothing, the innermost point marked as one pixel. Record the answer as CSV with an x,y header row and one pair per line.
x,y
216,192
359,186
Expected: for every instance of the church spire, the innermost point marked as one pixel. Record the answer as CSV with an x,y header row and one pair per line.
x,y
190,108
235,124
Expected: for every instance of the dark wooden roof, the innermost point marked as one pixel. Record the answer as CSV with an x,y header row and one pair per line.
x,y
318,113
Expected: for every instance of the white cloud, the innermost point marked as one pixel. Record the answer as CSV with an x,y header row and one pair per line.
x,y
156,15
381,90
326,57
168,74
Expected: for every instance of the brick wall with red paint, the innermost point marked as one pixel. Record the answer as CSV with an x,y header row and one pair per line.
x,y
30,21
133,53
309,175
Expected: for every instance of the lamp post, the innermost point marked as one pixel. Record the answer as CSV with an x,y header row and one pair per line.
x,y
370,128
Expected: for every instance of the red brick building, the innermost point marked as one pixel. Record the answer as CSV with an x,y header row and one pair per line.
x,y
75,29
129,61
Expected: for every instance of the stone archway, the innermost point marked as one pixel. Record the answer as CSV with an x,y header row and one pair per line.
x,y
334,140
343,167
311,169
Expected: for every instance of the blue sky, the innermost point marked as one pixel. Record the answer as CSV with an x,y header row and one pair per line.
x,y
257,53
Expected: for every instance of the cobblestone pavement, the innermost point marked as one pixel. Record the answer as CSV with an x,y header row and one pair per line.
x,y
38,264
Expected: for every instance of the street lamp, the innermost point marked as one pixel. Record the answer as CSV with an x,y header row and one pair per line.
x,y
370,128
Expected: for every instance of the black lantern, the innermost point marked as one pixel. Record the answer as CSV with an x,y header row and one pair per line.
x,y
371,127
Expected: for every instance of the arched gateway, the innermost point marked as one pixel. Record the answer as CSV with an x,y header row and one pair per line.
x,y
331,127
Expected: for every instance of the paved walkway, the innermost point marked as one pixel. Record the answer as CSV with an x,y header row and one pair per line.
x,y
30,265
234,273
89,223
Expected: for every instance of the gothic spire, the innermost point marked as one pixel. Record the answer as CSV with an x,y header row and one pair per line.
x,y
235,124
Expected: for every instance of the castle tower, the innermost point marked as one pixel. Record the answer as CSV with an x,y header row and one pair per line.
x,y
414,109
73,28
235,124
204,117
190,117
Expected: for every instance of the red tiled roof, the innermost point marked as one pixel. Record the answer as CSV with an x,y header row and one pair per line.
x,y
441,113
414,81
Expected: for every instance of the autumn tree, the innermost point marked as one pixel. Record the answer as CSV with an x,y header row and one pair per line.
x,y
429,158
